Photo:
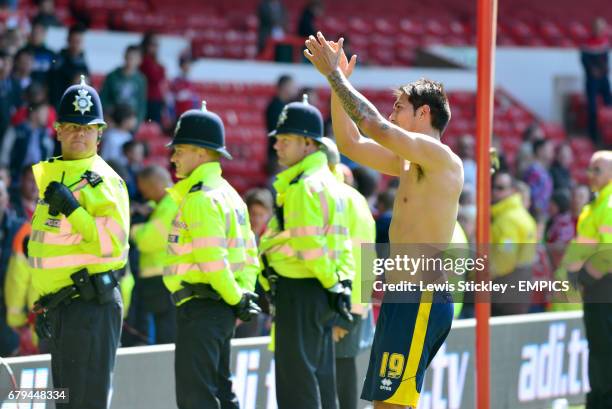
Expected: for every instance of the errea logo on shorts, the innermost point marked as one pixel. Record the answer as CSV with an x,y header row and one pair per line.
x,y
386,384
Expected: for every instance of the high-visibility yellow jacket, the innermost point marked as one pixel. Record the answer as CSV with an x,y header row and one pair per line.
x,y
95,236
362,229
513,236
19,294
211,240
312,239
593,240
151,238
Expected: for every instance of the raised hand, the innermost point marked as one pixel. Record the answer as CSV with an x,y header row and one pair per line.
x,y
345,65
321,54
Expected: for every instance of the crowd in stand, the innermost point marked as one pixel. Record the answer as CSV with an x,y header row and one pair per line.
x,y
33,77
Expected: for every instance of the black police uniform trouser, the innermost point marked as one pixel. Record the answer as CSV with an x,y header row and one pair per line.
x,y
598,326
346,351
304,350
85,337
202,356
156,301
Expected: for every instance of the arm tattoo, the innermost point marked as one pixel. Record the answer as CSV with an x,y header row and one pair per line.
x,y
356,106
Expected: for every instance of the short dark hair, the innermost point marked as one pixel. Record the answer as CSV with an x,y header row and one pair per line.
x,y
23,51
562,198
122,112
259,196
386,198
432,94
133,143
283,79
366,181
513,180
131,48
77,28
539,144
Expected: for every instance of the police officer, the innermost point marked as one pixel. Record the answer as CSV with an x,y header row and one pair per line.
x,y
348,336
211,266
151,238
78,242
308,262
588,262
19,294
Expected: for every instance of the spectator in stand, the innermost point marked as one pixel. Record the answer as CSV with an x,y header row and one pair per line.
x,y
70,64
560,168
524,157
384,209
366,182
539,180
273,21
46,13
581,195
561,227
43,56
10,93
307,25
28,142
285,93
25,201
594,57
184,92
155,74
261,208
22,69
513,250
135,153
127,85
12,39
466,153
118,134
9,225
34,95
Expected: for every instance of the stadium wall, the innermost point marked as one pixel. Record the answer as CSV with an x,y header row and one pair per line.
x,y
534,360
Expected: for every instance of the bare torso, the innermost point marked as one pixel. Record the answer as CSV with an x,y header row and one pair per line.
x,y
426,205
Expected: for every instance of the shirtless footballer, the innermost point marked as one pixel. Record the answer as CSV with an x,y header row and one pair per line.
x,y
407,145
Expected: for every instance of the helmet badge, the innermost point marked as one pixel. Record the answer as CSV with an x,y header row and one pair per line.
x,y
82,102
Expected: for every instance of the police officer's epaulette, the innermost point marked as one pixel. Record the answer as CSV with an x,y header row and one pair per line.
x,y
196,188
296,179
92,178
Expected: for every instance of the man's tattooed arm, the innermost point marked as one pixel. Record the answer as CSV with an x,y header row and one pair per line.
x,y
356,106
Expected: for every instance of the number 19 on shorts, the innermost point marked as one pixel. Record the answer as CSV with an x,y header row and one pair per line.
x,y
391,366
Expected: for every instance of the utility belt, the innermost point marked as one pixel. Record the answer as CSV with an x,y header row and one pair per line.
x,y
197,290
87,287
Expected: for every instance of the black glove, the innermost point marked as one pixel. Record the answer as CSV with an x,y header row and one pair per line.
x,y
60,199
340,299
247,308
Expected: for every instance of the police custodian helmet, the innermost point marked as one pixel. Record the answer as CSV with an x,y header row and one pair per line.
x,y
300,118
81,105
201,128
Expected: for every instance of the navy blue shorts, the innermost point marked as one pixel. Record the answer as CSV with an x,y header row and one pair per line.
x,y
408,336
